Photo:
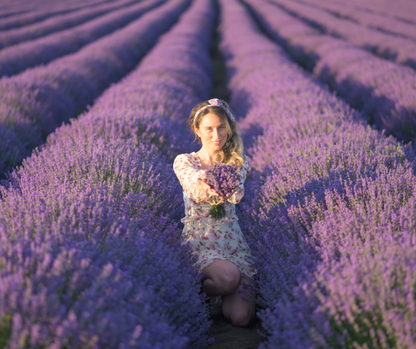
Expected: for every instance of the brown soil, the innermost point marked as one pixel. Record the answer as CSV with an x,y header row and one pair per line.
x,y
229,337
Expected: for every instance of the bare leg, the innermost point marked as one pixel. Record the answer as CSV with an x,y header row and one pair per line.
x,y
240,308
220,278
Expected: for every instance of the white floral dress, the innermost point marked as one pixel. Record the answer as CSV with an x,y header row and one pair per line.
x,y
211,239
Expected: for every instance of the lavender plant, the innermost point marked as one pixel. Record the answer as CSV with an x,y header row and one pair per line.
x,y
223,179
83,294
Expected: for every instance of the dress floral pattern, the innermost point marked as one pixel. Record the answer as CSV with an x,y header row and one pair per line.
x,y
211,239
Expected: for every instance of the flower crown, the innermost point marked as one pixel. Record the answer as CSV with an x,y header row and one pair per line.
x,y
215,102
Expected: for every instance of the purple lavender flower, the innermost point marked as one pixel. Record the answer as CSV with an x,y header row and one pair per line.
x,y
223,178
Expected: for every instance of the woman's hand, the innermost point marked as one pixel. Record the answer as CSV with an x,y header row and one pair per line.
x,y
208,188
224,198
212,192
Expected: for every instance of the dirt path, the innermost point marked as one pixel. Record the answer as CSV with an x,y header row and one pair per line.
x,y
229,337
226,335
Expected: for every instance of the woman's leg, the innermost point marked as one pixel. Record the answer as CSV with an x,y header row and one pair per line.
x,y
221,277
239,307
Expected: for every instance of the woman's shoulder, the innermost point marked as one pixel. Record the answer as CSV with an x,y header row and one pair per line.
x,y
246,163
189,158
185,156
246,159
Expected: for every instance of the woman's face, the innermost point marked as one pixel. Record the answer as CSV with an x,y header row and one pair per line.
x,y
212,131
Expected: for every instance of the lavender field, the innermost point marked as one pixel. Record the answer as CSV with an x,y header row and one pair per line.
x,y
94,100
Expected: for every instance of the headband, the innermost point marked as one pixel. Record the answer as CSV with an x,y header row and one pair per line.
x,y
215,102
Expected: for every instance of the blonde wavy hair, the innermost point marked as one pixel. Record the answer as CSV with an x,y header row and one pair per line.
x,y
232,151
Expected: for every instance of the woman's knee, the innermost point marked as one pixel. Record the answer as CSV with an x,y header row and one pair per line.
x,y
230,278
241,318
224,275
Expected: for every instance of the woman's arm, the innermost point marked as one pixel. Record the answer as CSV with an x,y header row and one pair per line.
x,y
191,178
239,191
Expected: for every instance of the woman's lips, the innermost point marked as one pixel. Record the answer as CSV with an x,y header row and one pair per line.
x,y
217,142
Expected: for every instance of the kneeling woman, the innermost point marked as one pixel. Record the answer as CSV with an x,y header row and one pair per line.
x,y
219,244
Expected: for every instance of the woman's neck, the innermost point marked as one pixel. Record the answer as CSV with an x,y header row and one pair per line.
x,y
207,156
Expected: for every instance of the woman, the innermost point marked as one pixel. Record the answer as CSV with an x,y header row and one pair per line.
x,y
219,244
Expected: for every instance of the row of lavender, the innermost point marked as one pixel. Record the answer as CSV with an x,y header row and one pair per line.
x,y
15,59
91,256
403,10
374,20
397,49
331,215
384,91
58,22
34,103
16,15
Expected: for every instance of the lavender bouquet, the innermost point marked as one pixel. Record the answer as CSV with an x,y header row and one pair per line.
x,y
223,179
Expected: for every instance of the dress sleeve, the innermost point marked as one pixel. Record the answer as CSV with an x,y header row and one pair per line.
x,y
189,176
239,191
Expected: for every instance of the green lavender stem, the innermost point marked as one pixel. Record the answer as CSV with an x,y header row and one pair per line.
x,y
217,211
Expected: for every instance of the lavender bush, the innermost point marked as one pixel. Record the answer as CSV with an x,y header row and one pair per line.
x,y
88,295
60,90
365,240
110,191
57,23
329,187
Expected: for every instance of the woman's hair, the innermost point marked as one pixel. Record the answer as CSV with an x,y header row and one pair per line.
x,y
232,151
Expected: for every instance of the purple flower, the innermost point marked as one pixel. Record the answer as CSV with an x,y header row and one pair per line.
x,y
223,178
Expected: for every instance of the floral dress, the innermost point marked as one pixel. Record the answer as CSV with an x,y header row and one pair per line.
x,y
211,239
